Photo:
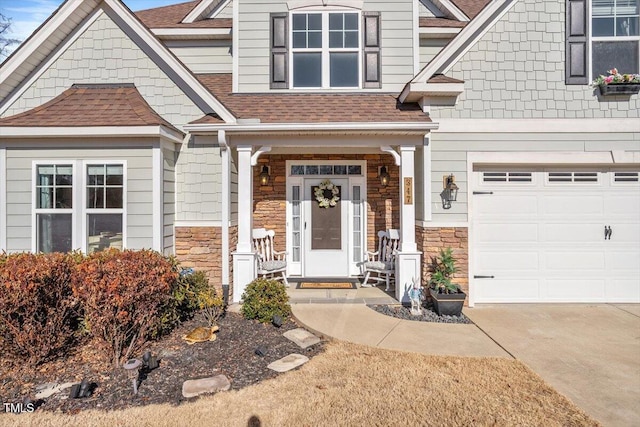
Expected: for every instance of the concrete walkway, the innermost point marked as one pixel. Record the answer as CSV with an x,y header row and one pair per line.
x,y
590,353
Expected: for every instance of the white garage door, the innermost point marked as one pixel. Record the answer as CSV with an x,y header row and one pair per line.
x,y
540,237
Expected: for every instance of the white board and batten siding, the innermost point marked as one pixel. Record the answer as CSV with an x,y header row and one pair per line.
x,y
20,187
540,236
397,42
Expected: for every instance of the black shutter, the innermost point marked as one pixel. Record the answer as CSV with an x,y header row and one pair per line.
x,y
371,69
577,42
279,51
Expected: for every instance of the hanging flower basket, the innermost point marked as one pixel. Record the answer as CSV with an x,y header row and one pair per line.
x,y
327,194
618,84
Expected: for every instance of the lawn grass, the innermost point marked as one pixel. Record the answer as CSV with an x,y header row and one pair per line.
x,y
356,385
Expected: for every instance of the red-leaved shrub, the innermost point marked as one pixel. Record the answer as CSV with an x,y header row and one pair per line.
x,y
38,316
122,294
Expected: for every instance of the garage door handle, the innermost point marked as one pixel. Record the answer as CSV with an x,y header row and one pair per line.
x,y
484,277
607,232
475,193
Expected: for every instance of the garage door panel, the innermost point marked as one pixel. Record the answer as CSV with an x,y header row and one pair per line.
x,y
526,232
496,205
508,290
623,261
576,205
624,233
623,290
519,261
568,290
574,261
572,233
620,205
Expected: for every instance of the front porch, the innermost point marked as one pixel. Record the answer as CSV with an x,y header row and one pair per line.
x,y
374,295
329,241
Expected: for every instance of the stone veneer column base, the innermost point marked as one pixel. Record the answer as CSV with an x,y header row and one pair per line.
x,y
431,239
201,249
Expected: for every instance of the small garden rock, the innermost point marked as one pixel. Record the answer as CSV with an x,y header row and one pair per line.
x,y
193,388
49,389
288,362
302,337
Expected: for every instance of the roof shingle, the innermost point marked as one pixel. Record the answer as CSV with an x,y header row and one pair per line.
x,y
471,7
88,105
440,22
309,107
172,16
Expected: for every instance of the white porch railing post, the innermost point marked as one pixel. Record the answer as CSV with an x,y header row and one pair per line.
x,y
408,265
244,265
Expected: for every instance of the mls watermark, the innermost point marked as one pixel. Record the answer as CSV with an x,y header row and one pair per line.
x,y
19,408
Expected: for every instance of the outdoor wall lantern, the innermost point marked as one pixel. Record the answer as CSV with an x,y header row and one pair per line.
x,y
264,175
384,176
450,192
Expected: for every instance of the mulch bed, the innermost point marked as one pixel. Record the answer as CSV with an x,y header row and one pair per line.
x,y
428,315
231,354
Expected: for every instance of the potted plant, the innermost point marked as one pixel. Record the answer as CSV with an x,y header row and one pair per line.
x,y
447,297
617,84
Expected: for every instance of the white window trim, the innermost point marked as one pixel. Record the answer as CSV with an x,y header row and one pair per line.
x,y
603,39
75,200
572,183
325,50
85,211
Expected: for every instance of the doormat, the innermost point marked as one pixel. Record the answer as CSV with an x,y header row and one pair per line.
x,y
326,285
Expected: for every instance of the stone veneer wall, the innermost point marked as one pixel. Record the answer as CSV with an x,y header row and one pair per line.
x,y
269,202
431,240
201,249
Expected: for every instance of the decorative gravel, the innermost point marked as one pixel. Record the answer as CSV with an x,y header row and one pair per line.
x,y
428,315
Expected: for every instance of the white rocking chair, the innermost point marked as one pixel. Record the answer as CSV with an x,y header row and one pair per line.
x,y
382,262
270,261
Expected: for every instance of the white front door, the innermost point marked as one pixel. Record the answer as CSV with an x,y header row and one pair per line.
x,y
326,236
540,236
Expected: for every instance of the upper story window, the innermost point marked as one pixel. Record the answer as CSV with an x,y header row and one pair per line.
x,y
325,50
615,36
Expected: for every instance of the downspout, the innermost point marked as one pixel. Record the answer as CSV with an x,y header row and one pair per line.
x,y
226,211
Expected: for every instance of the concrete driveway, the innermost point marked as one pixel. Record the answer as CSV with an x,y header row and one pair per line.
x,y
590,353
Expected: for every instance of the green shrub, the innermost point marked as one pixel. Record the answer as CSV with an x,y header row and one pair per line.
x,y
38,312
263,299
190,293
123,295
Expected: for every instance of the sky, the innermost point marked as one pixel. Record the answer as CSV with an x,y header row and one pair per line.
x,y
27,15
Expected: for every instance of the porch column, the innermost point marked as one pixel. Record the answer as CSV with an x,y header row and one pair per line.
x,y
244,262
408,258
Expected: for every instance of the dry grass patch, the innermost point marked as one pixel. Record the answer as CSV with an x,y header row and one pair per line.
x,y
351,384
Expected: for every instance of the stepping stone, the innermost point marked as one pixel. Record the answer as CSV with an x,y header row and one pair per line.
x,y
49,389
193,388
287,363
302,337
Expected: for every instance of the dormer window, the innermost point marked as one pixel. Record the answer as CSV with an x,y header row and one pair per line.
x,y
325,50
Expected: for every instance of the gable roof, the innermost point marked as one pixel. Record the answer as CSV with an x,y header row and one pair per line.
x,y
485,19
310,107
172,17
39,47
91,105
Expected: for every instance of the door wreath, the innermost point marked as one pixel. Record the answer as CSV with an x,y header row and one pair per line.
x,y
327,194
